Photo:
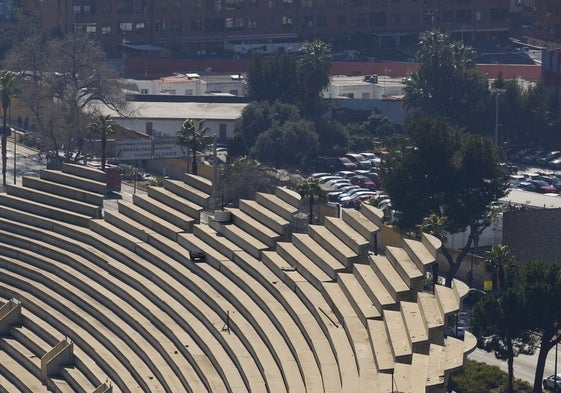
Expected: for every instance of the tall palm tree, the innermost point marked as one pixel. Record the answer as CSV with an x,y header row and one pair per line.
x,y
102,126
194,137
8,87
310,189
496,260
314,68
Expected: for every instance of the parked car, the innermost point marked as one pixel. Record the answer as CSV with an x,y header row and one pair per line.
x,y
333,196
345,174
362,198
350,195
543,186
363,181
325,179
349,201
333,164
551,381
545,159
360,161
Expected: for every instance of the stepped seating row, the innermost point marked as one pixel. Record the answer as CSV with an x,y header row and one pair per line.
x,y
262,312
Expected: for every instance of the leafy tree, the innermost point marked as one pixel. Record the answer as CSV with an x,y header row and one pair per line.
x,y
64,80
273,78
333,137
310,189
364,136
499,322
447,83
259,116
244,177
287,144
435,169
193,136
104,127
314,69
8,87
542,285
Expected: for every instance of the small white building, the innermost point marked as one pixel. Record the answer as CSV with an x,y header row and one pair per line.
x,y
371,87
164,119
190,84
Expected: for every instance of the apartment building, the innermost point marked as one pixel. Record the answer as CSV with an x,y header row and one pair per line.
x,y
205,27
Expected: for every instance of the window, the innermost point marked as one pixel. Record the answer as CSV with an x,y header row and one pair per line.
x,y
141,6
414,18
447,16
498,14
214,24
160,25
286,22
83,9
124,7
85,28
479,16
196,25
140,27
233,23
189,92
378,19
428,17
307,22
218,5
272,3
197,4
341,20
365,96
306,3
105,29
125,26
395,18
175,26
463,16
106,7
252,4
144,91
286,3
322,20
251,24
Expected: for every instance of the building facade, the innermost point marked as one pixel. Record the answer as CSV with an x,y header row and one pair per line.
x,y
206,27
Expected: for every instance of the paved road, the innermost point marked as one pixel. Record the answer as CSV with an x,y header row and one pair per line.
x,y
524,365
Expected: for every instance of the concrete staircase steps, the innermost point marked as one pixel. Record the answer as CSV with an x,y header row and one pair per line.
x,y
49,199
58,384
418,253
287,273
17,375
77,380
418,373
333,244
334,331
172,306
6,386
373,214
359,299
121,323
257,229
381,346
289,196
416,328
199,182
460,288
374,287
352,238
149,220
447,301
301,263
405,267
193,243
284,338
37,183
129,230
398,336
240,237
190,276
300,314
454,356
175,217
174,202
84,171
432,243
187,191
265,216
23,355
277,205
391,278
432,316
319,255
27,337
437,364
40,209
216,240
74,181
360,223
356,333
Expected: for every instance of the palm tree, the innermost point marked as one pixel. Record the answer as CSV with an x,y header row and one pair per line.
x,y
310,189
496,260
314,68
103,126
195,138
8,87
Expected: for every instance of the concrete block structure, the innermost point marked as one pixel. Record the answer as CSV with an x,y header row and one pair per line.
x,y
149,297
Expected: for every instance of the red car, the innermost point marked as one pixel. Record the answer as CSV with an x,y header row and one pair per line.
x,y
364,182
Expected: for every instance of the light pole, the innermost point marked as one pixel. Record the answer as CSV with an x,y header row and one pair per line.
x,y
497,92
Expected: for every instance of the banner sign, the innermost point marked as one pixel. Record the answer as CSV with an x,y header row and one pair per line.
x,y
146,149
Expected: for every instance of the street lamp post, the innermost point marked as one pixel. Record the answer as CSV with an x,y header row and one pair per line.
x,y
497,92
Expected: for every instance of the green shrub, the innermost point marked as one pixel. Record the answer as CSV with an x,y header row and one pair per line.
x,y
478,377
